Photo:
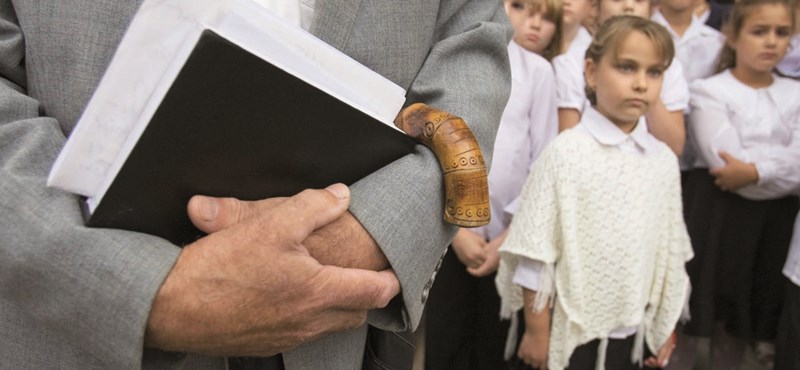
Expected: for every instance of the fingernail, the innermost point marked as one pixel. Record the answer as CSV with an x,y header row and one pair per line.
x,y
339,190
208,209
665,363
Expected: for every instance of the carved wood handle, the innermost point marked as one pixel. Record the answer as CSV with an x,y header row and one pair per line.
x,y
454,144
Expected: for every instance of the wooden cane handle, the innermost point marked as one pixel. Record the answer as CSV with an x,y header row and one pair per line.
x,y
465,174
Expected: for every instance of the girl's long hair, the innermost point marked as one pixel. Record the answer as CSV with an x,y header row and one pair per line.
x,y
741,10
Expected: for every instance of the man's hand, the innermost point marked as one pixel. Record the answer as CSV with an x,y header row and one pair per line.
x,y
469,248
252,289
344,242
734,174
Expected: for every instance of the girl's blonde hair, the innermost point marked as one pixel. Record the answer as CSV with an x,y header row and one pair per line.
x,y
613,31
741,10
553,11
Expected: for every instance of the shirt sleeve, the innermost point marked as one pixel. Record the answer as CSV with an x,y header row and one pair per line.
x,y
542,118
710,127
528,272
570,92
543,112
675,89
779,173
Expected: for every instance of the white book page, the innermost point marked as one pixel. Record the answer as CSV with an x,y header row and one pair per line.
x,y
301,54
147,60
156,45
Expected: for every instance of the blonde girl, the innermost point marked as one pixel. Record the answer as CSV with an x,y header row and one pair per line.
x,y
595,255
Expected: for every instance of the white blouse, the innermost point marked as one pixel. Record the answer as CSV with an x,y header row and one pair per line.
x,y
568,66
759,126
528,123
697,50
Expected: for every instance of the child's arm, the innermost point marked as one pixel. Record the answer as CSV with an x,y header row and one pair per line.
x,y
492,257
469,248
667,126
535,341
567,118
734,174
662,358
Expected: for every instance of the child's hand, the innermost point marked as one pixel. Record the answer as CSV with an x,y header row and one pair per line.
x,y
662,359
469,248
734,174
492,258
533,348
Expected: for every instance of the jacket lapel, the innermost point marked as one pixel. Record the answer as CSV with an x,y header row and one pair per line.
x,y
333,20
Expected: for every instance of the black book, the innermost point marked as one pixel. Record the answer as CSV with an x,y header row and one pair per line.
x,y
234,125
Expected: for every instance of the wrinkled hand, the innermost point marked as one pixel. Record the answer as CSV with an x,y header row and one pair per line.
x,y
661,360
252,289
344,242
734,174
533,348
492,261
469,248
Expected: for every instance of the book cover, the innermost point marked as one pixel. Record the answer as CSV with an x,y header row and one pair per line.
x,y
234,125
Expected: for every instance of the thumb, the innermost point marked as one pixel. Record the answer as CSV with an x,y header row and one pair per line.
x,y
357,289
211,214
298,216
726,157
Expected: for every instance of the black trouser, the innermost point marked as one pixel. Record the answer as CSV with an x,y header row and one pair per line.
x,y
463,329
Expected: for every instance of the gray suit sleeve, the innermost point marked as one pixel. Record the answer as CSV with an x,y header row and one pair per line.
x,y
466,73
69,295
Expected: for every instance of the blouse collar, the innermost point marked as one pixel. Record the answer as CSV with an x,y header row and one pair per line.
x,y
608,133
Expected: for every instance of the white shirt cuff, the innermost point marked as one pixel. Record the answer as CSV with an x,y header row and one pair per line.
x,y
528,273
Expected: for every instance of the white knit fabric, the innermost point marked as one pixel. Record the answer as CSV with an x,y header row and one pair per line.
x,y
612,226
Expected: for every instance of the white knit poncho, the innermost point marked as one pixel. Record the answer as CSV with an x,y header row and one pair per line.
x,y
609,228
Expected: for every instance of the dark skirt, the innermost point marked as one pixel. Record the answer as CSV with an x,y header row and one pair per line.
x,y
584,357
740,246
787,355
463,329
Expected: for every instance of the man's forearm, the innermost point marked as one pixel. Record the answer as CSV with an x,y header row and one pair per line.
x,y
346,243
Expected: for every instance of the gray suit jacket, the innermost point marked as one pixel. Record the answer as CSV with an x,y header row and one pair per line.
x,y
75,297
